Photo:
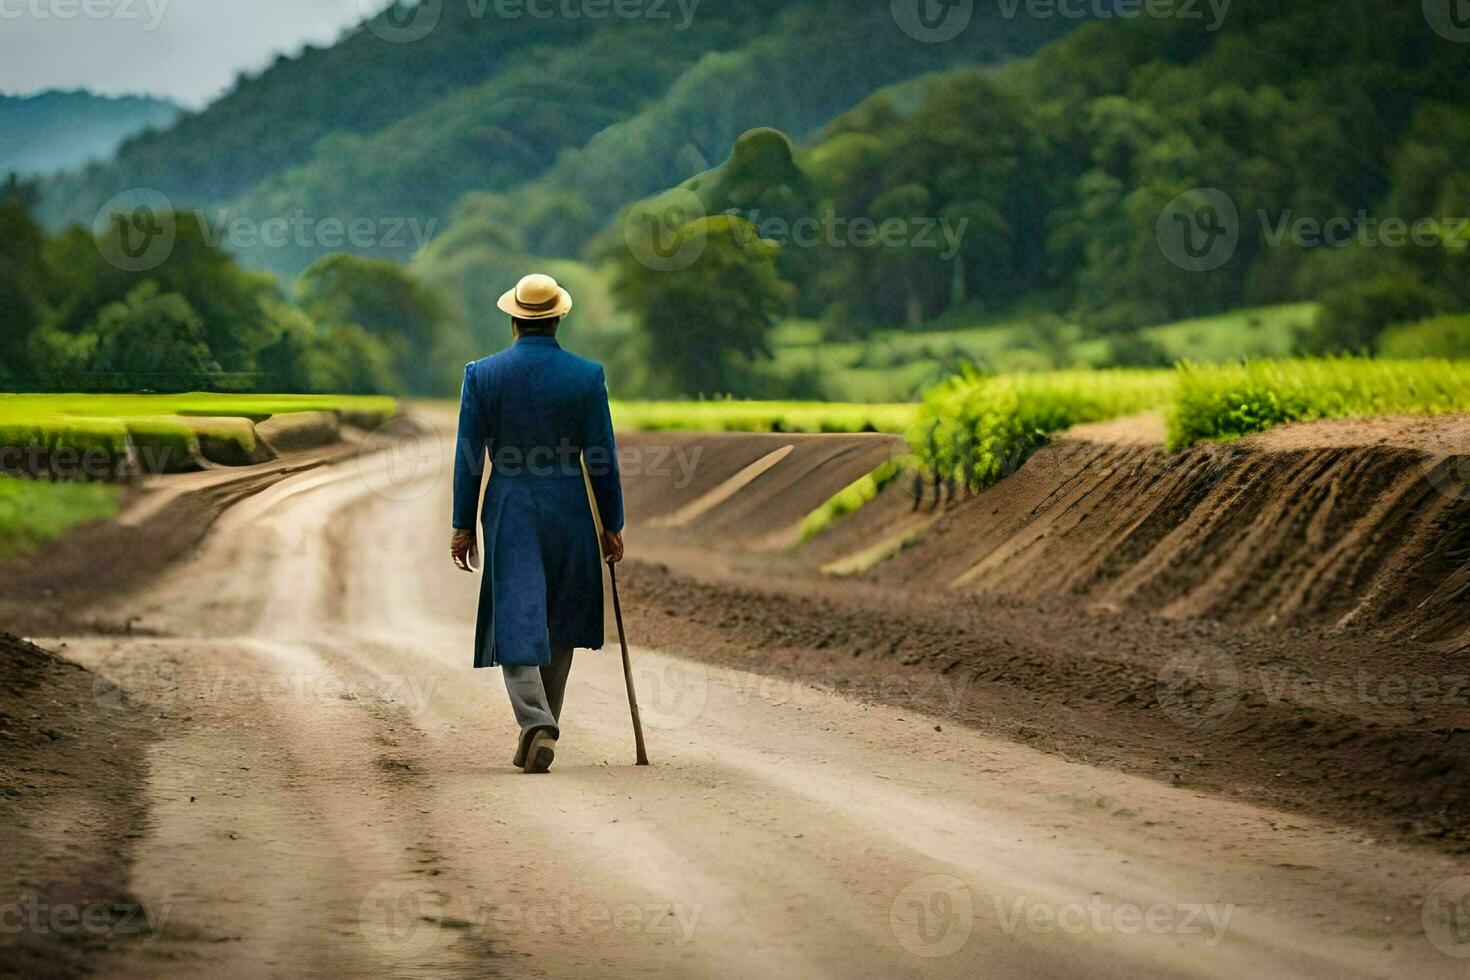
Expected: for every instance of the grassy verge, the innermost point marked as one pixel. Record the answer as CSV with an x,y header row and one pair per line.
x,y
975,430
891,365
850,498
1226,402
107,423
33,512
751,416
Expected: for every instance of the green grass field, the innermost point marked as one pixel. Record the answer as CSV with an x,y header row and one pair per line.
x,y
90,433
108,422
971,430
33,512
898,365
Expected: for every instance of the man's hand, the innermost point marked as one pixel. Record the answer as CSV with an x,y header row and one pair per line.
x,y
461,548
612,546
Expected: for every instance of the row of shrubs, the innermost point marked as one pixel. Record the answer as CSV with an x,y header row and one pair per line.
x,y
974,430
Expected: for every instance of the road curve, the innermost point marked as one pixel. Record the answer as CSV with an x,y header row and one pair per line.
x,y
331,795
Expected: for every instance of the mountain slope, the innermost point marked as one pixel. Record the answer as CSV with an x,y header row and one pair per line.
x,y
576,116
51,131
360,86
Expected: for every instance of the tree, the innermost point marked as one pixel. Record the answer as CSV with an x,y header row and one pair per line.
x,y
1352,318
22,279
702,326
230,302
152,341
387,301
342,359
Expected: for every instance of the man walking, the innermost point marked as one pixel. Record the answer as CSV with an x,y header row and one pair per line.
x,y
538,411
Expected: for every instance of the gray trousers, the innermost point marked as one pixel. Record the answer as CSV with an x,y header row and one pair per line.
x,y
536,692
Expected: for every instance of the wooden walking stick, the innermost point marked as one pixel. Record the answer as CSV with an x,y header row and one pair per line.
x,y
628,669
612,570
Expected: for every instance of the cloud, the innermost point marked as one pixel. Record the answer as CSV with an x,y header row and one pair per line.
x,y
187,50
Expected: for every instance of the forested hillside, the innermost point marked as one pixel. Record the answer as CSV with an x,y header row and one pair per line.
x,y
1317,161
596,111
1075,183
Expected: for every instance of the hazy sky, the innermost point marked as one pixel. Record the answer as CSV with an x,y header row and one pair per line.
x,y
188,50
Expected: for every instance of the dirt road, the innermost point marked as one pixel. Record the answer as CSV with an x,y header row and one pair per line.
x,y
329,793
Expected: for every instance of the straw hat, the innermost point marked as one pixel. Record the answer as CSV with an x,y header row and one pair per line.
x,y
536,297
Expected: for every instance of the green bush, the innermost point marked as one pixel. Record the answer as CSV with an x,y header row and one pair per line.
x,y
1229,401
974,430
1352,317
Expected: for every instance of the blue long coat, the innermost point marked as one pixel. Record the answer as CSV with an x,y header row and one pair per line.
x,y
536,410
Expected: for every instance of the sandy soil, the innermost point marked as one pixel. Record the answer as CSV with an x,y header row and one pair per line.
x,y
328,793
71,812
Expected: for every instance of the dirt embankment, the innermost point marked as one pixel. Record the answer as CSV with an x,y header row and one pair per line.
x,y
1353,526
1358,525
1278,619
70,808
